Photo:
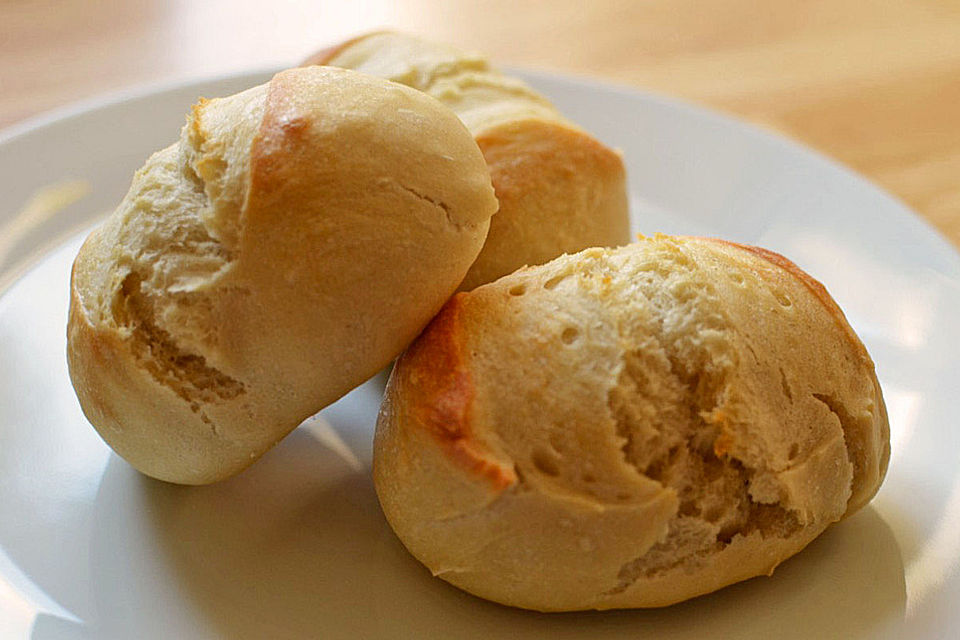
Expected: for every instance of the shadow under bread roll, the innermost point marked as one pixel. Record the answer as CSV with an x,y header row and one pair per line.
x,y
560,190
293,241
629,427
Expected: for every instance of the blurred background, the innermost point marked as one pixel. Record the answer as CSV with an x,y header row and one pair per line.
x,y
875,84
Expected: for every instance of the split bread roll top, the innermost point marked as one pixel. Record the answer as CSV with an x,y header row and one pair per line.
x,y
293,241
560,190
630,427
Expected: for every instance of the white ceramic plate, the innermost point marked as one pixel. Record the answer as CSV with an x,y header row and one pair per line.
x,y
297,546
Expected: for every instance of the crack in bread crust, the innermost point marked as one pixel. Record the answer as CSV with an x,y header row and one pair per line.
x,y
186,374
849,425
672,420
439,204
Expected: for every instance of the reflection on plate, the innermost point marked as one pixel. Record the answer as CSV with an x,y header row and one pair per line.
x,y
297,546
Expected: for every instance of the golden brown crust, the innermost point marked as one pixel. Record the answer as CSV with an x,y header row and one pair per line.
x,y
560,191
282,130
439,377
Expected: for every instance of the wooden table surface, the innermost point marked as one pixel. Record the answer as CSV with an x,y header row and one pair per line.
x,y
874,84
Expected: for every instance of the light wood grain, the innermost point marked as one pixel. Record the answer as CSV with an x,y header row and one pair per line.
x,y
874,84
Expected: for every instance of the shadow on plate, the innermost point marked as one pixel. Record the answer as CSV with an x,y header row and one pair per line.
x,y
297,547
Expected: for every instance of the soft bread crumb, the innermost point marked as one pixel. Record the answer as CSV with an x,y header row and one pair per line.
x,y
181,224
186,374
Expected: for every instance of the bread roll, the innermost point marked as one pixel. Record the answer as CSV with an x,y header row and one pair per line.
x,y
293,241
560,190
630,427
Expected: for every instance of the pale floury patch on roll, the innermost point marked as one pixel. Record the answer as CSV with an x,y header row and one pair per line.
x,y
630,427
293,241
560,190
